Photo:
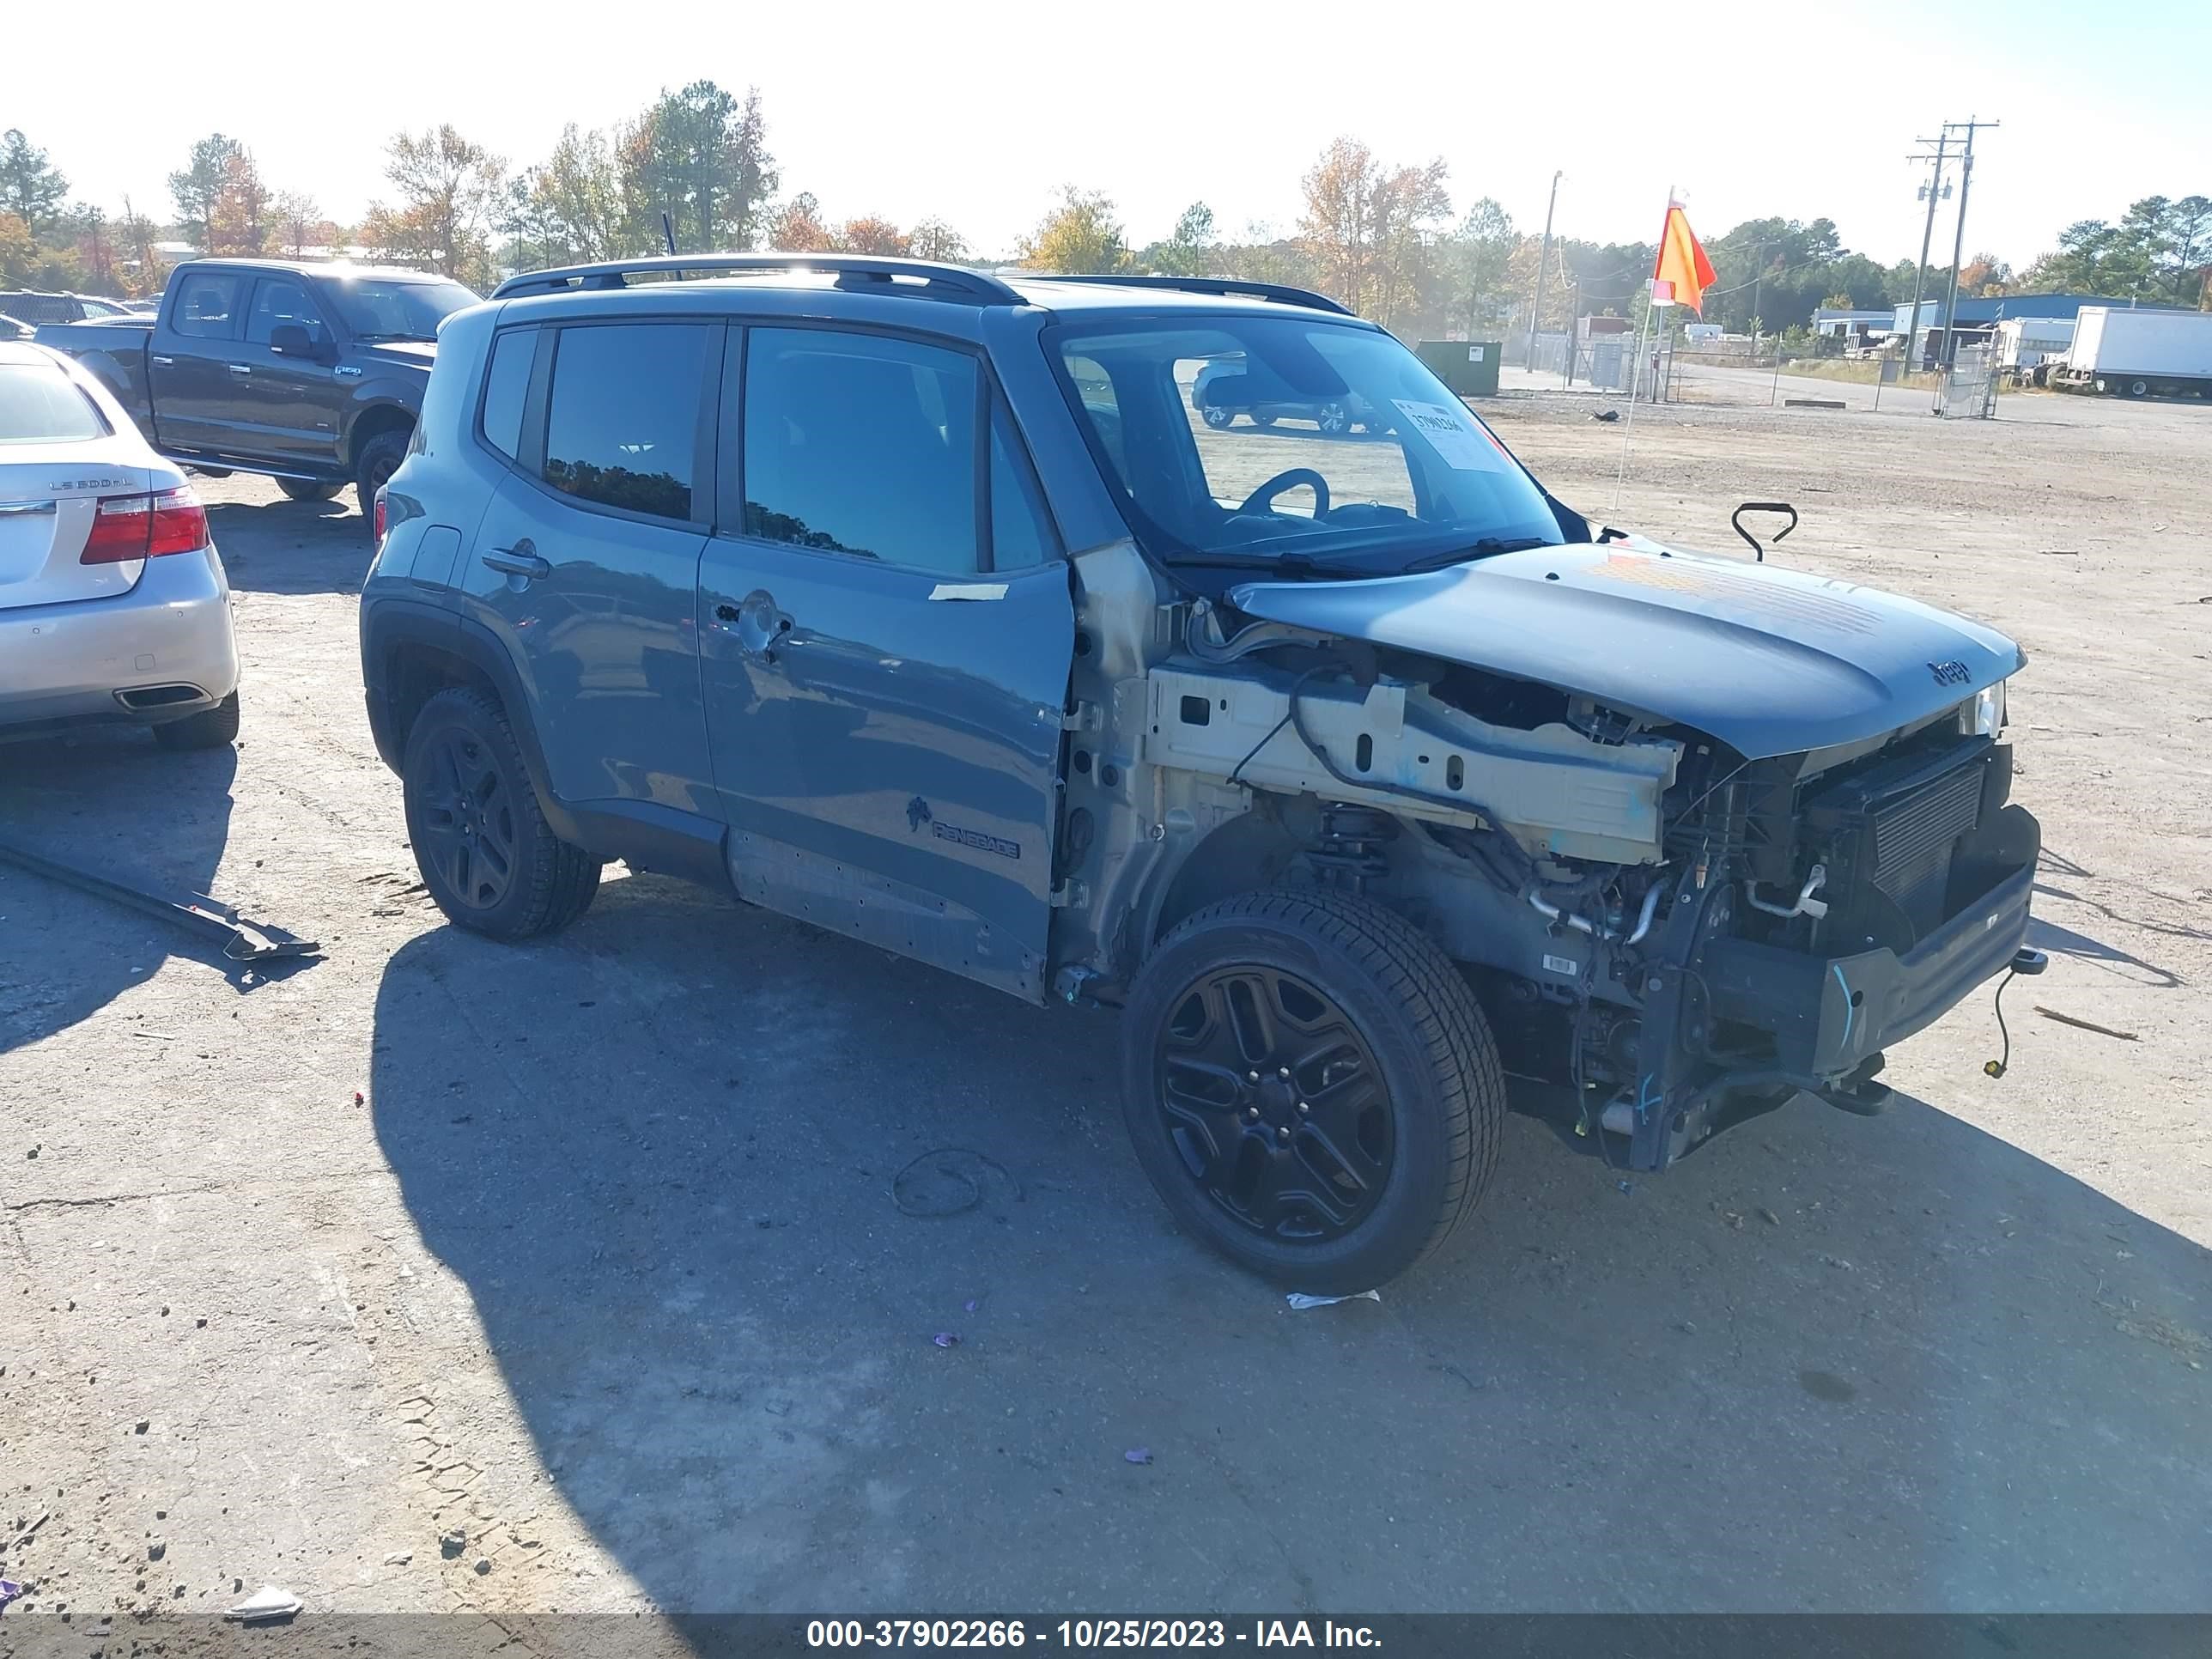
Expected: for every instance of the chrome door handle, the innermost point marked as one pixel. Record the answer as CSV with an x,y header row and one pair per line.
x,y
164,362
24,509
520,560
239,369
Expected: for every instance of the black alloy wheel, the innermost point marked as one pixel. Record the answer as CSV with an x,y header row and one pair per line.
x,y
1274,1103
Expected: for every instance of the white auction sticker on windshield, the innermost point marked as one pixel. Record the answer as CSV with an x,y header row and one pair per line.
x,y
1464,446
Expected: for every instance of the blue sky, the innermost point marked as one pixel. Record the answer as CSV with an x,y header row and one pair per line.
x,y
976,116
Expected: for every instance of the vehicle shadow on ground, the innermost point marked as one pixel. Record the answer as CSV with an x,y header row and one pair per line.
x,y
825,1280
281,546
83,801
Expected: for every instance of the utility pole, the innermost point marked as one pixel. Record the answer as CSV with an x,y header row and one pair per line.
x,y
1927,233
1959,239
1543,258
1758,282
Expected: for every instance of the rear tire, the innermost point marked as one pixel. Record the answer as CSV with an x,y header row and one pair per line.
x,y
1216,416
379,458
305,489
1384,1128
211,728
1333,419
2138,388
487,856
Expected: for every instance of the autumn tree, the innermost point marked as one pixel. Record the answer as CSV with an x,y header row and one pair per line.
x,y
18,252
1369,228
797,227
450,191
871,234
30,188
700,156
1080,235
932,239
2157,251
238,220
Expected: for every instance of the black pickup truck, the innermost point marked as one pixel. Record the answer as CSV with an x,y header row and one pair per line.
x,y
311,374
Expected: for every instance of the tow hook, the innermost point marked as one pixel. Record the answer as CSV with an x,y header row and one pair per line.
x,y
1859,1094
2027,963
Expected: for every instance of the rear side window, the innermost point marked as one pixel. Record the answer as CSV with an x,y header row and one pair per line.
x,y
207,305
507,384
41,405
857,444
622,427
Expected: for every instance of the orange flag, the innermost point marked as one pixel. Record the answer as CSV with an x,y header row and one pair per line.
x,y
1683,273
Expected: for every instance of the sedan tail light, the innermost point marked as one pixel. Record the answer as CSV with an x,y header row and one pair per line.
x,y
126,527
379,518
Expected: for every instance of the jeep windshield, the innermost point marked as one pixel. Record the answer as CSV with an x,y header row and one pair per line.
x,y
1293,444
394,309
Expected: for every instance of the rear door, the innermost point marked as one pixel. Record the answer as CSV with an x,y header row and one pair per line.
x,y
886,629
199,402
291,401
586,564
57,463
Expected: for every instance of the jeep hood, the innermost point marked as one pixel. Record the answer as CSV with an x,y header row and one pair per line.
x,y
1768,660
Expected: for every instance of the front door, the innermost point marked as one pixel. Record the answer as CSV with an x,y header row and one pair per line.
x,y
586,564
885,633
293,400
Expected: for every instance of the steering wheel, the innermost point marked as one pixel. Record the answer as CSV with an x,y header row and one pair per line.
x,y
1282,481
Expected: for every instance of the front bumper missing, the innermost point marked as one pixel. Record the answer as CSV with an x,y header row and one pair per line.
x,y
1830,1014
1827,1018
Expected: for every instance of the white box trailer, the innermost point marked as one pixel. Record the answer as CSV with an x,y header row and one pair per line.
x,y
2139,353
2024,342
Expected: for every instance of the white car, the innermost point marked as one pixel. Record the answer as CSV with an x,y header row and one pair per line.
x,y
113,604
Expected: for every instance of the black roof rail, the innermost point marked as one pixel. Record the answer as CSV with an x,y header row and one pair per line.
x,y
924,274
1275,291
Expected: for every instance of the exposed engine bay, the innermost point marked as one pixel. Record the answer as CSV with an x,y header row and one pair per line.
x,y
1681,933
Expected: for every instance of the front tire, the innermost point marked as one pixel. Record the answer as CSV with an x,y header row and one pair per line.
x,y
305,489
1333,419
487,856
1216,416
1311,1088
211,728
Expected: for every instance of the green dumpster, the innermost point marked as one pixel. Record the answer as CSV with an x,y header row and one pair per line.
x,y
1467,367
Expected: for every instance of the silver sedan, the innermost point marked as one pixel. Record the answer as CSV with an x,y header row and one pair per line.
x,y
114,603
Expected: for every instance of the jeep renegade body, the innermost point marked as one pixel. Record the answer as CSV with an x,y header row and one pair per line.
x,y
1354,766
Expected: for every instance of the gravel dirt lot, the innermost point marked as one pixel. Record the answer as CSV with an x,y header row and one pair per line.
x,y
585,1258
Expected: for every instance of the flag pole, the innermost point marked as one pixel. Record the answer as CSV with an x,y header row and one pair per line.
x,y
1636,369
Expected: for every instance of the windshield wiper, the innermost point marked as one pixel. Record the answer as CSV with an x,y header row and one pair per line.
x,y
1476,550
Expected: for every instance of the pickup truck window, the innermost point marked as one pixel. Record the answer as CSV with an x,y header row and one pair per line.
x,y
622,428
207,305
393,308
281,300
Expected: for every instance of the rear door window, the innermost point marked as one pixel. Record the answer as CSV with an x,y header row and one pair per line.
x,y
208,304
858,444
623,420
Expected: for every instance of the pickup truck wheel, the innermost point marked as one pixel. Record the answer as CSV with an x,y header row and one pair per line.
x,y
1311,1087
379,458
211,728
487,855
1216,416
302,489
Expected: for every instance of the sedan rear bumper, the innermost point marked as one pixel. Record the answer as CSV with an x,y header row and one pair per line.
x,y
161,652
